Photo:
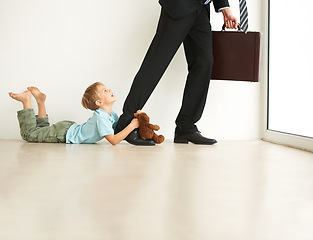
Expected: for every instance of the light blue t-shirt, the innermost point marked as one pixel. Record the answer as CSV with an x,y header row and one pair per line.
x,y
99,125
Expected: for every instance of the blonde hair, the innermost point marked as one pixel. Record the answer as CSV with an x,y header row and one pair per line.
x,y
91,96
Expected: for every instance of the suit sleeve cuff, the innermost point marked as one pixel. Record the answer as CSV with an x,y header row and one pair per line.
x,y
220,9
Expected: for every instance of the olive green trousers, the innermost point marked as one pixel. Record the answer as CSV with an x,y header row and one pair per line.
x,y
35,129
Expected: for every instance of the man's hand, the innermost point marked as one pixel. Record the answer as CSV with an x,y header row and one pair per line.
x,y
229,19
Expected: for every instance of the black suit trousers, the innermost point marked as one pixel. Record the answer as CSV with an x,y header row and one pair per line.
x,y
194,31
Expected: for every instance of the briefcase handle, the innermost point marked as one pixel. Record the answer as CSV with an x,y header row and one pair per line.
x,y
239,28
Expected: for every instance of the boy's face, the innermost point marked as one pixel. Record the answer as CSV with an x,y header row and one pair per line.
x,y
106,96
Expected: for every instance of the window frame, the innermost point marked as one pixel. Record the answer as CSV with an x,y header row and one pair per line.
x,y
304,143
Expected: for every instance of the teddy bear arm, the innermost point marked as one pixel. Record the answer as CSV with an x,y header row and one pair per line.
x,y
154,127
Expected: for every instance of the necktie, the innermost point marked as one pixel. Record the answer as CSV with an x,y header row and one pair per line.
x,y
243,15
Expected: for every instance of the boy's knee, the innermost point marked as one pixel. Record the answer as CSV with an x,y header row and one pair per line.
x,y
27,138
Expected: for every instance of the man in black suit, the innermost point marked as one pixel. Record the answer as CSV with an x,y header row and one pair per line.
x,y
187,22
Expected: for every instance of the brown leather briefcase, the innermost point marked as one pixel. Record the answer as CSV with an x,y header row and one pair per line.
x,y
236,55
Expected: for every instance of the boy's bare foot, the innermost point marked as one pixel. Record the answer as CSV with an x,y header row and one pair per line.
x,y
21,97
24,97
38,95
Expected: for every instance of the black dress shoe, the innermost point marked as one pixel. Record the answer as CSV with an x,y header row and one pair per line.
x,y
195,138
135,139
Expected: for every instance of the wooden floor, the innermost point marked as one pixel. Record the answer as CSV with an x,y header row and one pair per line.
x,y
245,190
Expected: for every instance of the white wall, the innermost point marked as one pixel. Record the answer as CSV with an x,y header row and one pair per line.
x,y
62,46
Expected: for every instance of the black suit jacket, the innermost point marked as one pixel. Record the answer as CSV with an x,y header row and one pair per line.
x,y
181,8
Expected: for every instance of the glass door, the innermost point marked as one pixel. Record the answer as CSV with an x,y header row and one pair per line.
x,y
290,73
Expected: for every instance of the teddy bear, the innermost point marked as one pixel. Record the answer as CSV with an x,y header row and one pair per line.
x,y
146,130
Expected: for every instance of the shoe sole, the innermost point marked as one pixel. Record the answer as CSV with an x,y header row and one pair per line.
x,y
184,141
142,143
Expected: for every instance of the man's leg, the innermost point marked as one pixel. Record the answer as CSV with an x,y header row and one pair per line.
x,y
198,51
169,36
